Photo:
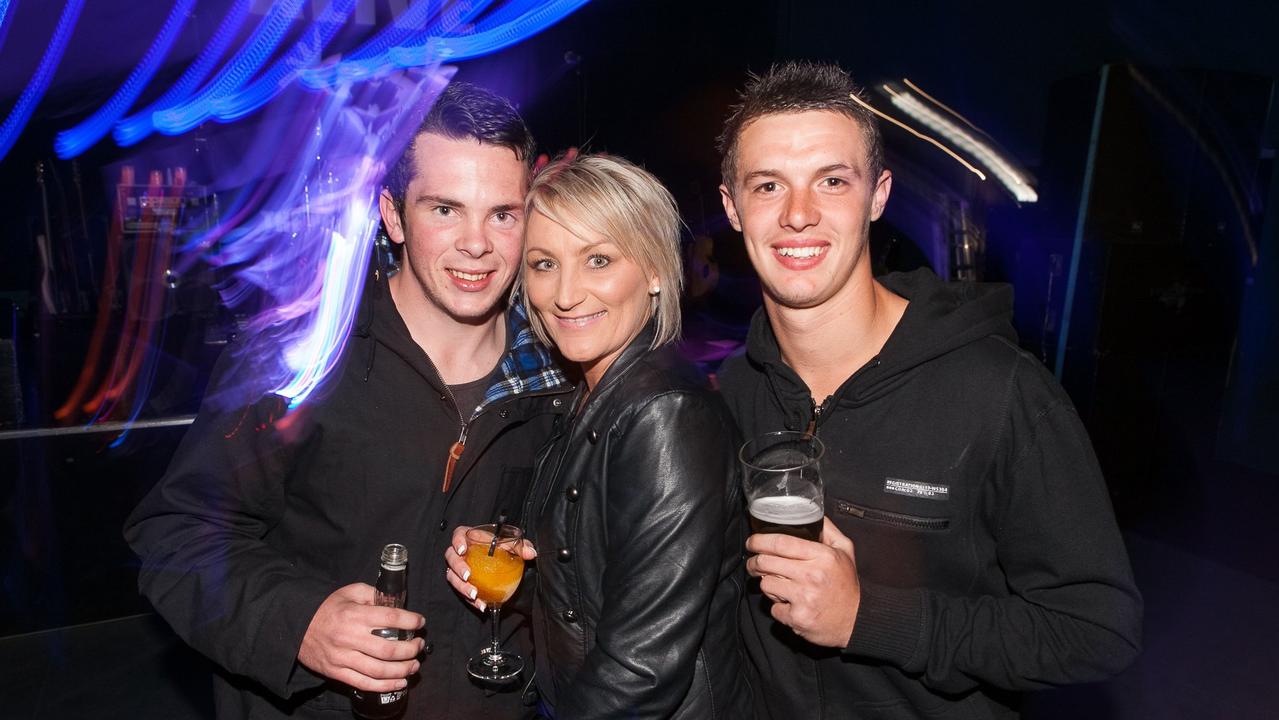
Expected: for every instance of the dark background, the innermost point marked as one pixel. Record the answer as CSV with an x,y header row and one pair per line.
x,y
1169,355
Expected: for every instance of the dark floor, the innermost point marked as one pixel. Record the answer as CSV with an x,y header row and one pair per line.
x,y
1210,652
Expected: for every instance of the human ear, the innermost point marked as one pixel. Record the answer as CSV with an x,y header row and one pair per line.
x,y
730,207
883,187
390,216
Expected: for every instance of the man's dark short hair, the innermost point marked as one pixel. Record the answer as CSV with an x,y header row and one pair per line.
x,y
464,111
798,86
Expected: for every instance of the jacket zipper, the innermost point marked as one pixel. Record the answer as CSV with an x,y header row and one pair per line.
x,y
888,517
825,404
455,451
811,430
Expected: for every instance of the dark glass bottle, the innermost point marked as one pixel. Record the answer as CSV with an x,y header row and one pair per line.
x,y
391,592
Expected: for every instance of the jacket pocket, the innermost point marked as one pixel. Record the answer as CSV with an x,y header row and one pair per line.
x,y
893,519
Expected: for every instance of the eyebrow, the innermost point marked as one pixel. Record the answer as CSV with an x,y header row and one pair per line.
x,y
823,170
440,200
839,167
450,202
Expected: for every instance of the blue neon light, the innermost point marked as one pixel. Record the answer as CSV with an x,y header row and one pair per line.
x,y
21,112
178,119
275,79
375,57
4,26
488,41
137,126
426,34
76,140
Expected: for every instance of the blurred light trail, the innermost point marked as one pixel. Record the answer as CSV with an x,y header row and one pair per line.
x,y
76,140
426,33
21,112
930,140
134,128
1009,176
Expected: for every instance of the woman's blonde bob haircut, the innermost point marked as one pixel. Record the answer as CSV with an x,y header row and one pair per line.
x,y
625,204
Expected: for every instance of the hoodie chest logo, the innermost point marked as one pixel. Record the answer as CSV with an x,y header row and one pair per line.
x,y
922,490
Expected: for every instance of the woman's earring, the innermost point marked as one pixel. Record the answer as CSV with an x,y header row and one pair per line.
x,y
655,290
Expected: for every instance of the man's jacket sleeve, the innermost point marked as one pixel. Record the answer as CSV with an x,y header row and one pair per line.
x,y
204,564
1072,612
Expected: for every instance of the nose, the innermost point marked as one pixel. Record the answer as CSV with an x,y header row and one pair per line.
x,y
568,292
800,211
474,241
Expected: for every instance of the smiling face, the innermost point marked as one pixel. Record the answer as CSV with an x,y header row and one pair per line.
x,y
460,228
803,200
592,300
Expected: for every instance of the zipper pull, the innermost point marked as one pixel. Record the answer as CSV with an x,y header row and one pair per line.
x,y
817,413
455,453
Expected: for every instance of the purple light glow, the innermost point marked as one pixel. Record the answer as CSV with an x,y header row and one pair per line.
x,y
304,235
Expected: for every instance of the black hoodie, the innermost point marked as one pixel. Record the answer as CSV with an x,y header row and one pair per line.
x,y
987,550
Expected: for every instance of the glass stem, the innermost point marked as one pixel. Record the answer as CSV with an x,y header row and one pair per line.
x,y
495,652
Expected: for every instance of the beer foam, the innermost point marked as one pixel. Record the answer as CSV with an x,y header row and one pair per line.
x,y
786,510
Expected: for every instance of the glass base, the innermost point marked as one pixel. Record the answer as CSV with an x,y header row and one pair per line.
x,y
495,667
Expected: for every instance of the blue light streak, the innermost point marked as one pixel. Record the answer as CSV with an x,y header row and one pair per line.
x,y
21,111
488,35
76,140
4,26
538,18
313,356
275,79
138,126
427,33
189,113
377,56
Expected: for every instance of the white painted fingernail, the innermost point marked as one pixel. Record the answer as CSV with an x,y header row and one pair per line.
x,y
466,575
461,549
474,592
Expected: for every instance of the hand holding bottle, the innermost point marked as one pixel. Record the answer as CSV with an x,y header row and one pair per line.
x,y
340,642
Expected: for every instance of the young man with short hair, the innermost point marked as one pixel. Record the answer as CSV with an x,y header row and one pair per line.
x,y
259,543
969,550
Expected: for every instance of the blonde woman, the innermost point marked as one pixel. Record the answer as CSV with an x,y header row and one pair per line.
x,y
635,509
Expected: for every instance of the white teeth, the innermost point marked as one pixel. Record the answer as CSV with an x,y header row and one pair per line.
x,y
581,321
801,252
472,277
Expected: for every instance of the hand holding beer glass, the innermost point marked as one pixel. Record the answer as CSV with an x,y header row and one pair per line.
x,y
493,554
783,484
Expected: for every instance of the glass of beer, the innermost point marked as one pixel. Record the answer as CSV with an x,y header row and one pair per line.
x,y
783,484
493,555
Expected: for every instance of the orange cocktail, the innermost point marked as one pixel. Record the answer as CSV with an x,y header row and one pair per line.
x,y
495,576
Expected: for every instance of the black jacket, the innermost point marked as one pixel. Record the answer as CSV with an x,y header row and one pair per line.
x,y
637,517
261,515
987,549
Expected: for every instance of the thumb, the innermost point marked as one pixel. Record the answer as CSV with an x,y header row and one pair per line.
x,y
831,536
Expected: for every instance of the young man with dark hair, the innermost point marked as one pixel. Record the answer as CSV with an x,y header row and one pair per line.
x,y
258,544
969,549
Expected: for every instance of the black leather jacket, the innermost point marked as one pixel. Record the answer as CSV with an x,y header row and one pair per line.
x,y
637,516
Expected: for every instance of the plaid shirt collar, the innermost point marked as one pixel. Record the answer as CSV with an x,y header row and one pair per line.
x,y
527,366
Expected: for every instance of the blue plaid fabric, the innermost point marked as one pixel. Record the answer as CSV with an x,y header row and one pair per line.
x,y
527,365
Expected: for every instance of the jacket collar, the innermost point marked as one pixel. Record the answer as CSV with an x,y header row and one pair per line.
x,y
526,367
637,349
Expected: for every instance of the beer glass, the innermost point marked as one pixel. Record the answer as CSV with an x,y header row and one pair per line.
x,y
782,484
493,555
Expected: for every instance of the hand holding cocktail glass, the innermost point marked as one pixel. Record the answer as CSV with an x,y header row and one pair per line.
x,y
491,558
806,566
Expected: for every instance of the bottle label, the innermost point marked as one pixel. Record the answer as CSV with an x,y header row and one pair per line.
x,y
388,698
